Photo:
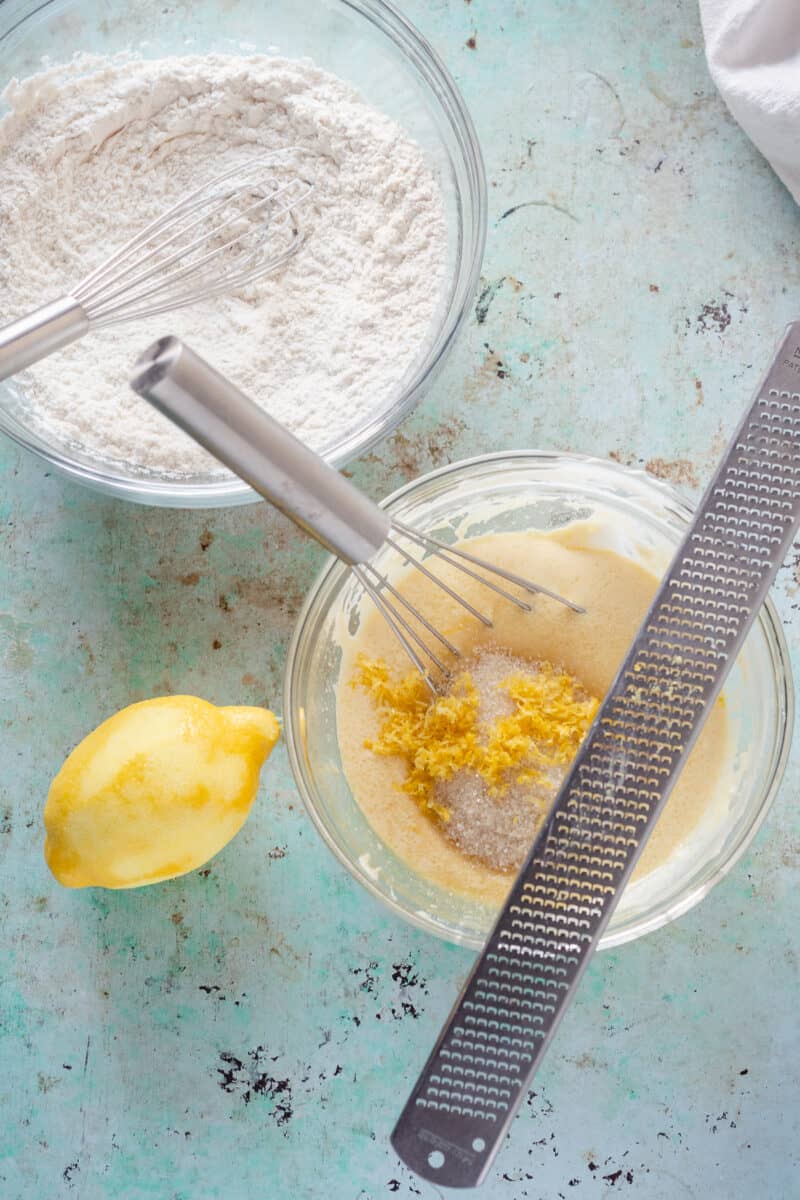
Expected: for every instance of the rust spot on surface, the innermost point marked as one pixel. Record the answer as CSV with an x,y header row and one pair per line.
x,y
524,357
206,538
678,470
275,591
216,644
700,398
472,42
260,918
69,1171
718,443
190,580
416,453
487,295
790,855
223,602
85,646
248,1079
714,316
493,363
654,287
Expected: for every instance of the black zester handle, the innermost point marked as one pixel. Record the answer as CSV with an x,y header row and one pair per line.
x,y
509,1008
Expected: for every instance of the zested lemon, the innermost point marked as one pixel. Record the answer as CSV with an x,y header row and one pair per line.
x,y
155,791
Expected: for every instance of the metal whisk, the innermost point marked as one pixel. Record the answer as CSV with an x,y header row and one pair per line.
x,y
216,414
230,232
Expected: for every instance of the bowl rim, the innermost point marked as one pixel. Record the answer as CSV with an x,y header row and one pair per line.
x,y
767,618
232,491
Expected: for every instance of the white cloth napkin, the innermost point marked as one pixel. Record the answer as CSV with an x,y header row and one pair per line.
x,y
753,51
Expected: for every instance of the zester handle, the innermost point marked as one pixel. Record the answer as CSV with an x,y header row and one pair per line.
x,y
276,464
527,974
40,333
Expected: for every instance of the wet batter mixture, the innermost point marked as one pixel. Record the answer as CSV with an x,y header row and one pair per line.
x,y
616,593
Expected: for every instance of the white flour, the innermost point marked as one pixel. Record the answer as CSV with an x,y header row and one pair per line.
x,y
91,151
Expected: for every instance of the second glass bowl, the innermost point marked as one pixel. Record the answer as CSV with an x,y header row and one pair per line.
x,y
535,491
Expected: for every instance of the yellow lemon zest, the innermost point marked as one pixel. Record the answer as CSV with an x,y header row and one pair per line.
x,y
440,735
551,716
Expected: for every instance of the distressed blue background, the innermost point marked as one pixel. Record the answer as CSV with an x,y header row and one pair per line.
x,y
252,1030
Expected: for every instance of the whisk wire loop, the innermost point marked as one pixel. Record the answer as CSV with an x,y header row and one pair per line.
x,y
385,586
526,584
440,583
229,284
222,236
200,198
444,554
131,286
100,298
402,631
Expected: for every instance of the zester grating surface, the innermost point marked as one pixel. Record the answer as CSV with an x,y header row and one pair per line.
x,y
508,1011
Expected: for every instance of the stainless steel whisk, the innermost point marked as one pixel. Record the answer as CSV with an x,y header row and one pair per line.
x,y
317,498
225,234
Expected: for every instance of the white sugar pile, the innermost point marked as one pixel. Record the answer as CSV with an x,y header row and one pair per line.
x,y
498,830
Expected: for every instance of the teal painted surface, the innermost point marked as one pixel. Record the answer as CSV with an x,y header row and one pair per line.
x,y
251,1030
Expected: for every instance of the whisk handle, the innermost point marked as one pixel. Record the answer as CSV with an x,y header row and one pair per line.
x,y
302,485
40,333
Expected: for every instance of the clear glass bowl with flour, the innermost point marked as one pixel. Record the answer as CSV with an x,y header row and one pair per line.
x,y
638,519
343,342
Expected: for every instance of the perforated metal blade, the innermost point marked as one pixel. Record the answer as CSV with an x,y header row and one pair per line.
x,y
508,1011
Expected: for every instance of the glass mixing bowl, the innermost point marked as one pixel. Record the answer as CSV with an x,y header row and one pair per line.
x,y
536,491
366,42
